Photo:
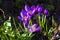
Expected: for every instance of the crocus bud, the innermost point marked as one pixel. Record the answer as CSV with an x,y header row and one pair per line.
x,y
45,11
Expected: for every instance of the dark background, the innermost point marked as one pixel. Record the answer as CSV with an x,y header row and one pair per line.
x,y
13,7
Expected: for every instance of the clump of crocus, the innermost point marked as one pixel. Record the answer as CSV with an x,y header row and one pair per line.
x,y
34,28
28,13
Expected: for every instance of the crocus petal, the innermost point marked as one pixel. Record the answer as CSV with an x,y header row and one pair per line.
x,y
27,8
23,13
30,30
37,29
33,8
29,17
20,18
34,25
32,11
26,24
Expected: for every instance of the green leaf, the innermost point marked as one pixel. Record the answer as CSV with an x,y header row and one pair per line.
x,y
50,30
24,35
30,22
14,22
46,28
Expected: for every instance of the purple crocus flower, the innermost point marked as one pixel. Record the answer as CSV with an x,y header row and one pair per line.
x,y
30,10
39,8
34,28
24,16
54,32
45,11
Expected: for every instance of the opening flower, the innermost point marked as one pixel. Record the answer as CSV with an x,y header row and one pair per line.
x,y
24,16
30,10
34,28
39,8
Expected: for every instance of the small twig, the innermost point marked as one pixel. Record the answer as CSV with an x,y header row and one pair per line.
x,y
2,12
